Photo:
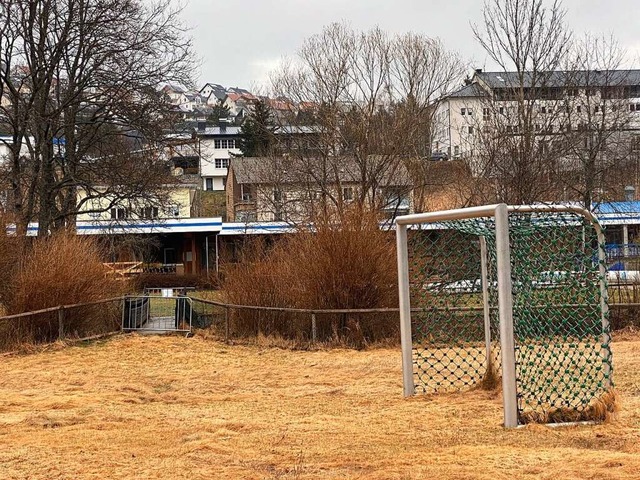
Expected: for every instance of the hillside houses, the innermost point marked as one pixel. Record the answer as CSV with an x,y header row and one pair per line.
x,y
214,190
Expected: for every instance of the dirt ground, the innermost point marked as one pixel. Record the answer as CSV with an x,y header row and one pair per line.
x,y
176,408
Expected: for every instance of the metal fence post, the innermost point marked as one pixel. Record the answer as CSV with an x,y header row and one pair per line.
x,y
604,304
314,328
405,310
505,302
60,322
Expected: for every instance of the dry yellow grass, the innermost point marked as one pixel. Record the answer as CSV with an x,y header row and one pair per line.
x,y
176,408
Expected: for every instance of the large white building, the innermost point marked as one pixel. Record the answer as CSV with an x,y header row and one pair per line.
x,y
555,104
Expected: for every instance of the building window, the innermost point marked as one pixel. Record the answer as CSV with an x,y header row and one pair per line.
x,y
222,162
174,210
149,212
501,110
456,151
225,143
208,183
486,113
469,111
579,109
118,213
470,130
347,193
463,111
245,193
277,196
543,109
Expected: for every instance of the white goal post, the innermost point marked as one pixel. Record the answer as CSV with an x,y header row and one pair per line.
x,y
499,217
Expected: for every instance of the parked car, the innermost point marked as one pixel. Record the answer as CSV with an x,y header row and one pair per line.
x,y
439,157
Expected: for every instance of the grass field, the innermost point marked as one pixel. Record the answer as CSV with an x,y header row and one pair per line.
x,y
176,408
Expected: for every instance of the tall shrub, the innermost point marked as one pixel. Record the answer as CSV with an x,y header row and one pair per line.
x,y
348,264
63,269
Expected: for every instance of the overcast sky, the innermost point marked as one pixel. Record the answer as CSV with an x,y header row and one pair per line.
x,y
239,42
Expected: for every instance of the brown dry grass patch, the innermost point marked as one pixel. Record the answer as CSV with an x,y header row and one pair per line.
x,y
176,408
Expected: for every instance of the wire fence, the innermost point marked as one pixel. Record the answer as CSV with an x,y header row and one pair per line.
x,y
229,322
353,327
66,322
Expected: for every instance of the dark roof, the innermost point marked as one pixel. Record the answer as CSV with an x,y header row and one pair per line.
x,y
471,90
286,170
578,78
219,131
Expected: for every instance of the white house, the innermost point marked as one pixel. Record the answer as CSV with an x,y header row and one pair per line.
x,y
217,146
213,93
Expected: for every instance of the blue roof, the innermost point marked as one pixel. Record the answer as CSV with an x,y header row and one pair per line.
x,y
618,207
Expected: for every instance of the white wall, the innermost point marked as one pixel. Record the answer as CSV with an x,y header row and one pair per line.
x,y
208,156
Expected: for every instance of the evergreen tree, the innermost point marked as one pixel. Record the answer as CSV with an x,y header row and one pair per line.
x,y
220,110
257,131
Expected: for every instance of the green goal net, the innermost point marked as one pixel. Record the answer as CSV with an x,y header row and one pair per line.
x,y
553,309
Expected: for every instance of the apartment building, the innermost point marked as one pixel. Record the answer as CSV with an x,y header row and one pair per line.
x,y
563,111
288,189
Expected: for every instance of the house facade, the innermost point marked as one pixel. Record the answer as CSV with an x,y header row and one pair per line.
x,y
217,146
563,111
283,189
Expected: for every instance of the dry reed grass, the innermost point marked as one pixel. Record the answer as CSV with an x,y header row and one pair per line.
x,y
175,408
63,269
345,265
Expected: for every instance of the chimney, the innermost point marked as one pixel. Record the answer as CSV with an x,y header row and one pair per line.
x,y
629,193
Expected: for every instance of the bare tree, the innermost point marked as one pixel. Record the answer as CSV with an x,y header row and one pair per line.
x,y
597,140
364,105
529,42
78,79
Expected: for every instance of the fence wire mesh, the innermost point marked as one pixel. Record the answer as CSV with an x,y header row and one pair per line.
x,y
561,330
448,325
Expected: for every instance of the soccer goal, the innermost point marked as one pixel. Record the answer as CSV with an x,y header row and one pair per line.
x,y
510,296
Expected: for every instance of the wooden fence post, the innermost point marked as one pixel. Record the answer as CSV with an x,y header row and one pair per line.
x,y
60,322
226,324
314,329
